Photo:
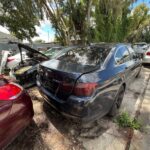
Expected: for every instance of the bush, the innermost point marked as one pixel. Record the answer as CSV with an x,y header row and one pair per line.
x,y
124,120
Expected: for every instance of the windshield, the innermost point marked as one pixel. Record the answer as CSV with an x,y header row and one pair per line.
x,y
93,56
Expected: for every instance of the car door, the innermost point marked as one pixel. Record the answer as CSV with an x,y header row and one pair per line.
x,y
5,121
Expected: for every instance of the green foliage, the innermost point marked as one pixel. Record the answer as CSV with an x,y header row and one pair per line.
x,y
20,17
112,21
139,22
124,120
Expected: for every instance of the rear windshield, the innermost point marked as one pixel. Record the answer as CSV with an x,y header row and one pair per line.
x,y
92,56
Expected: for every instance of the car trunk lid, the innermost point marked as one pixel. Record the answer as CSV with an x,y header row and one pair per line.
x,y
59,77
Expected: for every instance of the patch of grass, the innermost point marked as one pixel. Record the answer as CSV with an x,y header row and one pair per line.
x,y
124,120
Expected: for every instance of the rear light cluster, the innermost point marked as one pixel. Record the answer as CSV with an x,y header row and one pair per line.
x,y
148,53
80,89
10,59
10,91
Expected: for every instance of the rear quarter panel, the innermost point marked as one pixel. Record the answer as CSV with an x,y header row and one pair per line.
x,y
109,82
19,117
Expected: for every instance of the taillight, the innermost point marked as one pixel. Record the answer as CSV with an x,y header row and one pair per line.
x,y
10,91
148,53
84,89
10,59
80,89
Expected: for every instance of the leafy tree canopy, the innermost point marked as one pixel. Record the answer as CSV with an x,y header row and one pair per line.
x,y
20,17
78,20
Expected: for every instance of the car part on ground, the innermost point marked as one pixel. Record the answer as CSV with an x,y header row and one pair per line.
x,y
16,111
83,83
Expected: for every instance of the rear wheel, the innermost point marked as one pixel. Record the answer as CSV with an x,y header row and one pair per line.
x,y
117,102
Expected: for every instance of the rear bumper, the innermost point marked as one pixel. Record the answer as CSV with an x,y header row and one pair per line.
x,y
84,110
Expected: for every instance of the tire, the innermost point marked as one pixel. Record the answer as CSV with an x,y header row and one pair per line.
x,y
117,103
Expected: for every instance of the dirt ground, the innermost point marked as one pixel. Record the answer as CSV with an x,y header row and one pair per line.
x,y
50,131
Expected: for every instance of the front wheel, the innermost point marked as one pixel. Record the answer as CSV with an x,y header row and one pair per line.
x,y
117,102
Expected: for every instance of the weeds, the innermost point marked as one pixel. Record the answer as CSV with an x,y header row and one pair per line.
x,y
124,120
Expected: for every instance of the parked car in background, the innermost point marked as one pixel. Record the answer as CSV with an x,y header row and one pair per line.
x,y
3,60
25,68
140,48
88,82
16,111
146,57
14,61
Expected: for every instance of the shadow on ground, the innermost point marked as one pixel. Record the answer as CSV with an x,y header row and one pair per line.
x,y
29,139
76,129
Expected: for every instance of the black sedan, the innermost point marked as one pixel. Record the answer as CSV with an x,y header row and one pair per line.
x,y
88,82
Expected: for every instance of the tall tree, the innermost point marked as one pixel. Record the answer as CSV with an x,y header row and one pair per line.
x,y
139,21
20,17
70,19
112,20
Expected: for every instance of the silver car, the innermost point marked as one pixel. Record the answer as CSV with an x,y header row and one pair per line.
x,y
140,48
146,57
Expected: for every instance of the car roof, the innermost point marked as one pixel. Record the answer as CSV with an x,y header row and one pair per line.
x,y
140,43
104,45
111,45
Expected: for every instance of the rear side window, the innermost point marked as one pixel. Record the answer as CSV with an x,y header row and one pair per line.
x,y
122,56
93,56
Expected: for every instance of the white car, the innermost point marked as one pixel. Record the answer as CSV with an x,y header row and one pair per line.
x,y
146,57
14,61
